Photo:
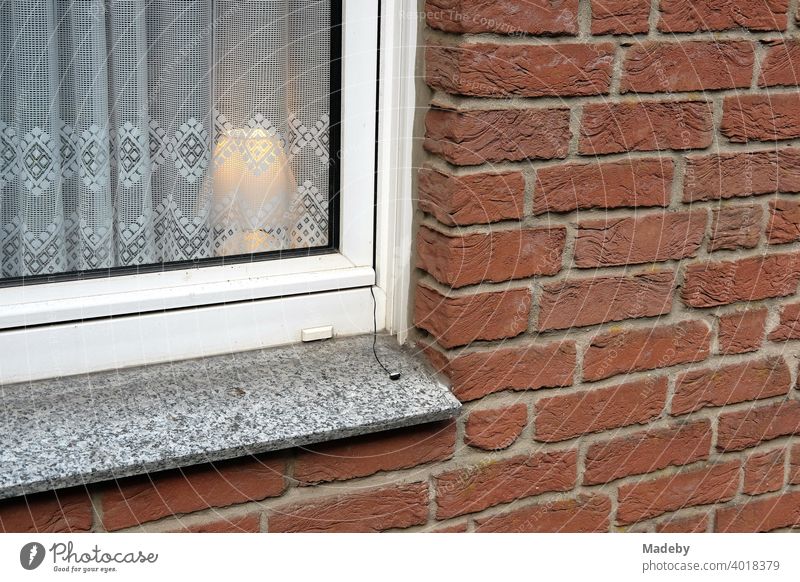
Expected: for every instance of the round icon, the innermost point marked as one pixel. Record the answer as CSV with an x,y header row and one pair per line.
x,y
31,555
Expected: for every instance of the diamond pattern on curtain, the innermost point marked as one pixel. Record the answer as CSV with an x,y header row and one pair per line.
x,y
121,122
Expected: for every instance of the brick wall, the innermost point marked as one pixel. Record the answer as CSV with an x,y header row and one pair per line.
x,y
608,260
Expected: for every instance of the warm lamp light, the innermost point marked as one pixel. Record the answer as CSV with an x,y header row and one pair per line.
x,y
254,186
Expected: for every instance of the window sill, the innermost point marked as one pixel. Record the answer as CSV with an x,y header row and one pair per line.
x,y
83,429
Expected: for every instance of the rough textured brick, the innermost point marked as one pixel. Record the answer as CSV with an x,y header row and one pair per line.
x,y
495,428
457,321
366,455
503,16
471,198
693,524
653,67
717,176
750,279
621,351
789,325
498,255
468,138
373,510
474,375
129,502
243,524
608,128
688,488
620,16
763,472
457,528
579,302
647,451
730,384
693,16
631,240
741,331
632,182
781,65
794,465
498,70
563,417
761,514
762,117
735,227
493,482
65,510
747,428
784,222
585,513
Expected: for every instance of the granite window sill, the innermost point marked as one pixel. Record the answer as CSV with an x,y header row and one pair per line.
x,y
83,429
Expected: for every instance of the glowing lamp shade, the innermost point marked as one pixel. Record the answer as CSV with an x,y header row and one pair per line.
x,y
254,191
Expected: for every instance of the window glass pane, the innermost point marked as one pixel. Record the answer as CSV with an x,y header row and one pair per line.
x,y
144,132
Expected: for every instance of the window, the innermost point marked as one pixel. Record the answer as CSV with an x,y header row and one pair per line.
x,y
126,128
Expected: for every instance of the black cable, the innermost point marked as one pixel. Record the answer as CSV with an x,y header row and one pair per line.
x,y
392,375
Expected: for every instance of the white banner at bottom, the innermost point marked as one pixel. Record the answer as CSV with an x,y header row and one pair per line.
x,y
374,557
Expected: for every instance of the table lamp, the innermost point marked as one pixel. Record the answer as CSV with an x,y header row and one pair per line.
x,y
253,190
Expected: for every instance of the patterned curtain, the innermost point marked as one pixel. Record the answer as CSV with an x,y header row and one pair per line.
x,y
135,132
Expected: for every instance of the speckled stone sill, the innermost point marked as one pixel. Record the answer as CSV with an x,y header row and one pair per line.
x,y
84,429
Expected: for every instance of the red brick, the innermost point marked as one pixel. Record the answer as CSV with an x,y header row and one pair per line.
x,y
721,385
367,455
243,524
653,67
498,70
471,198
585,513
136,500
503,16
371,510
62,511
476,374
735,227
742,331
750,279
789,325
693,16
781,65
566,416
728,175
622,351
647,451
620,16
457,321
495,256
763,472
761,117
693,524
632,182
748,428
468,138
495,428
580,302
784,222
493,482
457,528
688,488
631,240
761,514
794,465
608,128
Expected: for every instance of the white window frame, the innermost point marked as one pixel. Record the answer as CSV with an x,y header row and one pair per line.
x,y
74,327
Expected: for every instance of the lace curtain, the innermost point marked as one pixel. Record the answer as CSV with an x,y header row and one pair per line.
x,y
135,132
